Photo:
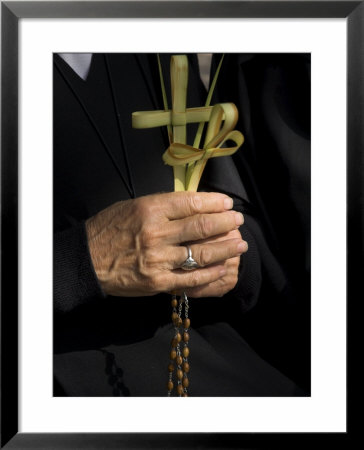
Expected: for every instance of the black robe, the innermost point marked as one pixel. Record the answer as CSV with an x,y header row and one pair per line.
x,y
273,95
109,346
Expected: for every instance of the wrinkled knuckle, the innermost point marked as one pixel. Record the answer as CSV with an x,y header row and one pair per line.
x,y
147,237
195,279
195,203
205,257
203,227
152,257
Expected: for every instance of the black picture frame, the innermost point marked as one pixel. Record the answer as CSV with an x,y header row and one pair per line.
x,y
11,12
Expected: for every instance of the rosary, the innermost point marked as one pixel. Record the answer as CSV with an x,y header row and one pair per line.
x,y
178,355
188,163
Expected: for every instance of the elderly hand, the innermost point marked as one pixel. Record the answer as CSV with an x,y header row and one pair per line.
x,y
137,246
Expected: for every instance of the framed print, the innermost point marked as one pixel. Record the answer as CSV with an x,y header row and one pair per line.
x,y
293,36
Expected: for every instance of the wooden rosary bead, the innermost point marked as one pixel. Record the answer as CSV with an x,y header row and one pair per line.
x,y
187,323
185,352
183,366
186,367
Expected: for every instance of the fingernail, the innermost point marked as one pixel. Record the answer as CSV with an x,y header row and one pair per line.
x,y
222,272
228,203
239,219
241,247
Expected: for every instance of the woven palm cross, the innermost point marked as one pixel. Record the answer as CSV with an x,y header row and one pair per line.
x,y
189,161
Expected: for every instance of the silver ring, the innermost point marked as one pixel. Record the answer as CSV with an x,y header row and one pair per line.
x,y
190,263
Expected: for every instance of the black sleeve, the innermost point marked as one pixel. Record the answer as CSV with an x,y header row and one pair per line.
x,y
74,278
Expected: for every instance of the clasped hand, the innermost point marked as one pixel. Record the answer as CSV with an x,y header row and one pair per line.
x,y
138,246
